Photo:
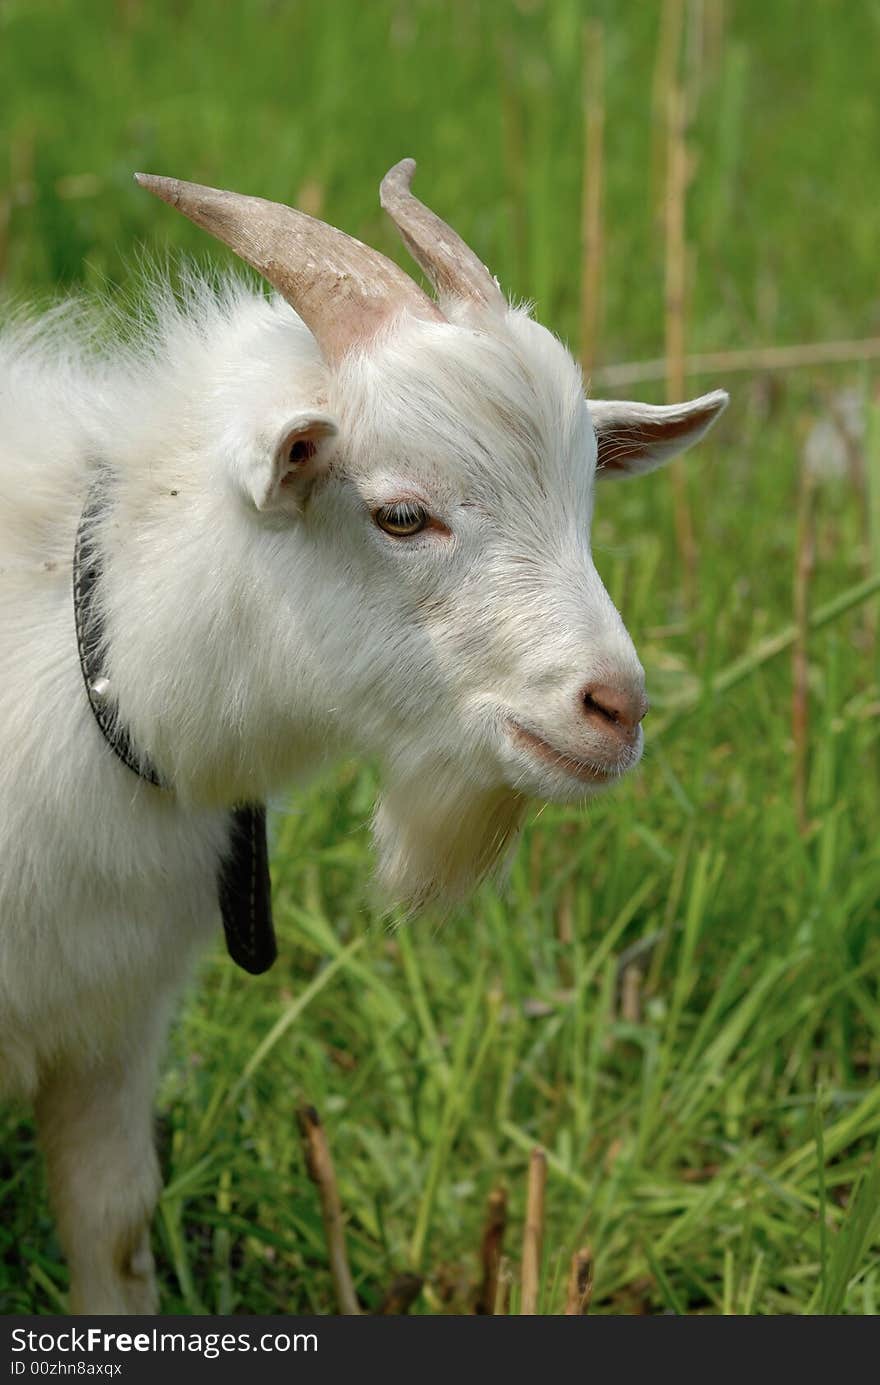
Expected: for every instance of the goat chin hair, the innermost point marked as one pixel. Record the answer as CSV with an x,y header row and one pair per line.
x,y
436,840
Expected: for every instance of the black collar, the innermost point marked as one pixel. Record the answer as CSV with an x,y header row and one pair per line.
x,y
244,889
90,634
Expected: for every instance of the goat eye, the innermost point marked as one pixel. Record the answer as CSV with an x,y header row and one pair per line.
x,y
402,520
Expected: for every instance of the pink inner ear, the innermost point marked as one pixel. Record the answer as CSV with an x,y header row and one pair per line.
x,y
618,447
299,448
632,438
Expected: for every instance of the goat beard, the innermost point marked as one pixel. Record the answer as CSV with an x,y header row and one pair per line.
x,y
437,840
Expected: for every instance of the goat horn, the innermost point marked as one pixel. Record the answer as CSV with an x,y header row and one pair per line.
x,y
343,291
451,266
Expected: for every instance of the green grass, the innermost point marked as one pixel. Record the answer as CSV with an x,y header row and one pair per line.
x,y
718,1152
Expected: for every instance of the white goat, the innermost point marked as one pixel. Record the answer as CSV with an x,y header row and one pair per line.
x,y
359,526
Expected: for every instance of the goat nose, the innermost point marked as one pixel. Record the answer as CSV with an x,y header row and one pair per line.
x,y
616,709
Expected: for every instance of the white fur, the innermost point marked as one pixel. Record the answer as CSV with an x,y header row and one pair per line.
x,y
251,641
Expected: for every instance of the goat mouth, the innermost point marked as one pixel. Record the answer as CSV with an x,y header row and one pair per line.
x,y
584,770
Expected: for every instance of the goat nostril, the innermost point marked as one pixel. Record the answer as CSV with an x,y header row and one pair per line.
x,y
618,707
595,708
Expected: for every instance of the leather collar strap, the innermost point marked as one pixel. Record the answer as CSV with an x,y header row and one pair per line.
x,y
243,885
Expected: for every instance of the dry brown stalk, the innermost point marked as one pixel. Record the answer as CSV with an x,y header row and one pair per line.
x,y
695,46
800,668
565,917
533,1234
320,1170
536,861
857,456
631,994
491,1246
714,26
502,1293
794,357
675,290
5,213
401,1295
592,184
580,1284
565,931
665,68
515,159
872,491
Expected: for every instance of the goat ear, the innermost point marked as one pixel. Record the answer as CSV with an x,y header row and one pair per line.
x,y
636,438
284,472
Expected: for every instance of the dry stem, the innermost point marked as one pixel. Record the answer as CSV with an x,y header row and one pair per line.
x,y
800,700
580,1283
794,357
676,285
320,1170
491,1247
402,1294
631,994
533,1235
592,180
